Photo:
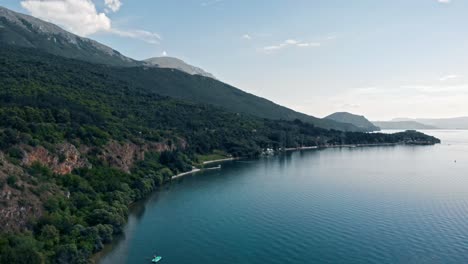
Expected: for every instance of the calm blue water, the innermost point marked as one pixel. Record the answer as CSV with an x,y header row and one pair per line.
x,y
404,204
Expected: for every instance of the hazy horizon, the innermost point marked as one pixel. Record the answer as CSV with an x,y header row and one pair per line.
x,y
379,59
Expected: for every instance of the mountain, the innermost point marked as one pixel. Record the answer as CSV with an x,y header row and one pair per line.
x,y
442,123
30,32
356,120
25,31
402,125
78,145
81,139
203,90
174,63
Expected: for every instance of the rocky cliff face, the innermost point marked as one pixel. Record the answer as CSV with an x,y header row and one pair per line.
x,y
65,159
124,155
17,203
174,63
22,199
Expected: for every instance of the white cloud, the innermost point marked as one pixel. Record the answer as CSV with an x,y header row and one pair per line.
x,y
113,5
291,43
77,16
448,77
444,1
82,18
247,36
164,54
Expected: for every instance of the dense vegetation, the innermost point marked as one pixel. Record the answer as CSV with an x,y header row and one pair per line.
x,y
47,100
30,32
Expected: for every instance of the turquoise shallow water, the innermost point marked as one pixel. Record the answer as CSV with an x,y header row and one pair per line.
x,y
403,204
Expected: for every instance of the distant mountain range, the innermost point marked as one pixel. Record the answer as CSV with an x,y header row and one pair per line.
x,y
19,30
424,123
402,125
399,123
441,123
356,120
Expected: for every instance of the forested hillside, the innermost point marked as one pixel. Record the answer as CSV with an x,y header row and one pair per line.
x,y
21,30
79,142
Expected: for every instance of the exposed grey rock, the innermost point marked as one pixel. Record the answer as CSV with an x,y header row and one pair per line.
x,y
174,63
27,31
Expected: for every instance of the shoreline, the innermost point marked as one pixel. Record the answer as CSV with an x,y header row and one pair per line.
x,y
363,145
195,170
301,148
218,160
180,175
382,144
360,145
95,258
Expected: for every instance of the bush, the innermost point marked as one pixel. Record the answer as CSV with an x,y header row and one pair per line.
x,y
19,249
16,153
40,171
11,180
69,254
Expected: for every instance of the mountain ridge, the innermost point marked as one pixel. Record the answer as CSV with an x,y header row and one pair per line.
x,y
26,31
30,32
176,63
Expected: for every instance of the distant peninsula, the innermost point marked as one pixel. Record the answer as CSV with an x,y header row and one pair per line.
x,y
440,123
402,125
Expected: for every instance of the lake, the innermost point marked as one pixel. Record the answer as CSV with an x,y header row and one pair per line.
x,y
401,204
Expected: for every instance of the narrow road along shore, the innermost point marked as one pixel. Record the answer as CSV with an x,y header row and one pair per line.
x,y
180,175
195,170
218,160
301,148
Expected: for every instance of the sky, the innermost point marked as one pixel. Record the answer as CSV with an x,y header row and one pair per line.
x,y
379,58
